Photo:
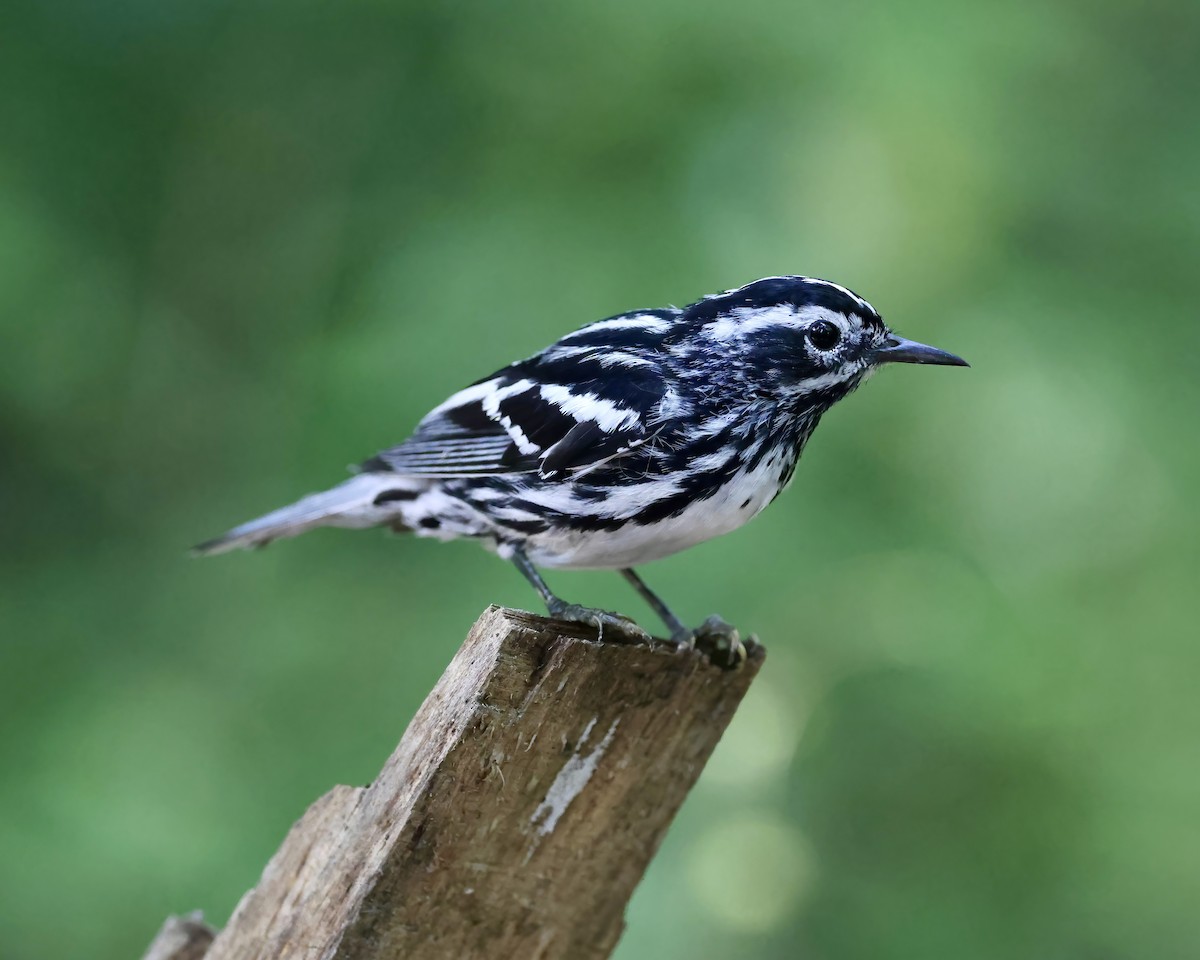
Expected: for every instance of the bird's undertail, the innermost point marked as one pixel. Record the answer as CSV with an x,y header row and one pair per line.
x,y
362,501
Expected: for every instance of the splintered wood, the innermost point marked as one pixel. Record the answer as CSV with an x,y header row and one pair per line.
x,y
515,817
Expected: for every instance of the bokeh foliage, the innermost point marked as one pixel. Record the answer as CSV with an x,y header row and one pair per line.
x,y
243,244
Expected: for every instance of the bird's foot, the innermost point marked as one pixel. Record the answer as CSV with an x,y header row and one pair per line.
x,y
722,643
604,621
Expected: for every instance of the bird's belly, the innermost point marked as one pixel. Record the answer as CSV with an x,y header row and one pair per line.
x,y
725,509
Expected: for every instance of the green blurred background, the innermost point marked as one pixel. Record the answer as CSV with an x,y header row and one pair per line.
x,y
245,244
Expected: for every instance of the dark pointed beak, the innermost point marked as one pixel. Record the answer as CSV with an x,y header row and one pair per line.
x,y
898,350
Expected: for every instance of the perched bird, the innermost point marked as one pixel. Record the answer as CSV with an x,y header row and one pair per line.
x,y
626,441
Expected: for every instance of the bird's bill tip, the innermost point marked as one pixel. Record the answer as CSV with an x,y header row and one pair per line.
x,y
898,350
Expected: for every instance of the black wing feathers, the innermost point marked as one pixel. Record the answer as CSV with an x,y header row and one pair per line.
x,y
575,405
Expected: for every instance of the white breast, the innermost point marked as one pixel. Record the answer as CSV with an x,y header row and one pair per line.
x,y
731,506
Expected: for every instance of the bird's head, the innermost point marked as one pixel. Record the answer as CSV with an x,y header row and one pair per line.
x,y
800,336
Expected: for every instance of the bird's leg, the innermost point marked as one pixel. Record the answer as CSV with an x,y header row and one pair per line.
x,y
714,636
681,635
602,620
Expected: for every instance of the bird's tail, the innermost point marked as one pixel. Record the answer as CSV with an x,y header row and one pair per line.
x,y
362,501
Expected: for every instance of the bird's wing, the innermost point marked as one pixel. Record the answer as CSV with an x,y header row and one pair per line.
x,y
523,421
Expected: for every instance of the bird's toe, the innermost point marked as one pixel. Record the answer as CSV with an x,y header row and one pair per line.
x,y
609,625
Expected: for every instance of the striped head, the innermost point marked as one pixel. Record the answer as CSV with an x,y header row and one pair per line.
x,y
799,336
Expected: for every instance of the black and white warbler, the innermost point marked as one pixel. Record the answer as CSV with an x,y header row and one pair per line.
x,y
626,441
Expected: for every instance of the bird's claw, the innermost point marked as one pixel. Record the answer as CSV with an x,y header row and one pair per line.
x,y
721,642
604,621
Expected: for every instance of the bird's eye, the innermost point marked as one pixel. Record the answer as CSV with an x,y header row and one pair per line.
x,y
824,335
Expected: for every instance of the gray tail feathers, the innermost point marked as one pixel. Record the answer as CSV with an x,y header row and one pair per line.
x,y
349,504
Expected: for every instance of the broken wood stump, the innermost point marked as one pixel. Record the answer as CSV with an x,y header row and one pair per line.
x,y
516,816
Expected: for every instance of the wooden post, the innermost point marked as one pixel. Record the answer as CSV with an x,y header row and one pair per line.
x,y
515,817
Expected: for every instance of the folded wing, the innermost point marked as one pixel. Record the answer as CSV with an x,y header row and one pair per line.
x,y
519,422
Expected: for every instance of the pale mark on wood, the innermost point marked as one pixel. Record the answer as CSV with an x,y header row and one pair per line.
x,y
571,780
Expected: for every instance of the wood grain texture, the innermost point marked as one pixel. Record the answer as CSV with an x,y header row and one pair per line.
x,y
515,817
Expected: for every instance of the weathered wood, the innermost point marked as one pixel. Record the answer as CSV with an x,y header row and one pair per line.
x,y
515,817
181,938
